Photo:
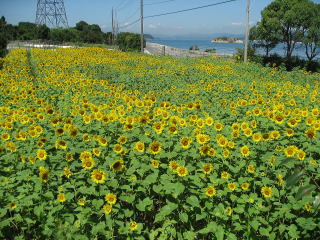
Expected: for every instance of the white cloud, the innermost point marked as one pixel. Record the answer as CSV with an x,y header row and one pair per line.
x,y
236,24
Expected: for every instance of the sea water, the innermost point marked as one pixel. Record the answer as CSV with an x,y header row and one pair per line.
x,y
228,48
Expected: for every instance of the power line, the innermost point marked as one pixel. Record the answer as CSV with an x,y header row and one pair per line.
x,y
184,10
133,14
129,24
190,9
158,2
123,5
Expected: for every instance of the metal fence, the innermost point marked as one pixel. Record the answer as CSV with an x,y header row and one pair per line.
x,y
37,44
163,50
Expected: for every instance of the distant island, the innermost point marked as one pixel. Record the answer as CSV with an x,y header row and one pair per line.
x,y
226,40
148,37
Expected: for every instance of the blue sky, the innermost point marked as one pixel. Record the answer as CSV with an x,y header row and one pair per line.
x,y
226,18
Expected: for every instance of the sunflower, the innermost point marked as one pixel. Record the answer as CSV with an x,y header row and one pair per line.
x,y
308,207
173,165
235,127
204,149
250,168
102,141
222,141
158,127
67,172
139,146
231,144
61,197
301,155
61,144
232,186
81,201
229,211
69,157
289,132
247,132
96,152
122,140
290,151
211,152
5,136
98,176
275,134
182,171
41,154
266,136
245,151
118,149
59,132
43,174
209,121
235,134
155,148
310,133
266,192
280,179
172,129
111,198
202,138
86,137
12,205
279,118
257,137
118,166
293,122
155,163
107,208
133,225
185,142
225,175
245,186
218,126
88,163
210,191
207,168
272,160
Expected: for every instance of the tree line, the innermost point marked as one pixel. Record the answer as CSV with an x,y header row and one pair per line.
x,y
289,22
82,32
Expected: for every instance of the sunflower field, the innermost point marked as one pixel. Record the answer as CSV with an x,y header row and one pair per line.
x,y
99,144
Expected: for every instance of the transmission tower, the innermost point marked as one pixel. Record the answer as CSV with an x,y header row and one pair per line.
x,y
51,13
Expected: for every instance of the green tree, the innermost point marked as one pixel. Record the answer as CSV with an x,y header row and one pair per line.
x,y
43,32
27,31
286,17
81,26
311,31
3,37
266,35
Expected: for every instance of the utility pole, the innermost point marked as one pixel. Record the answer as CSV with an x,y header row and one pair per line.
x,y
141,34
247,33
112,37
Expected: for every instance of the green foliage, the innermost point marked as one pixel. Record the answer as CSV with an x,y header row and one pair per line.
x,y
288,22
3,38
194,48
129,41
125,98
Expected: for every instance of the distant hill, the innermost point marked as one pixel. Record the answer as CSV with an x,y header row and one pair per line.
x,y
226,40
148,36
204,36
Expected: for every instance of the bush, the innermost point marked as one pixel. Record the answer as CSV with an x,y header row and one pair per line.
x,y
211,50
3,37
240,53
129,41
194,48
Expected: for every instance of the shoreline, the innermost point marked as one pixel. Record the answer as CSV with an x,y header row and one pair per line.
x,y
165,50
